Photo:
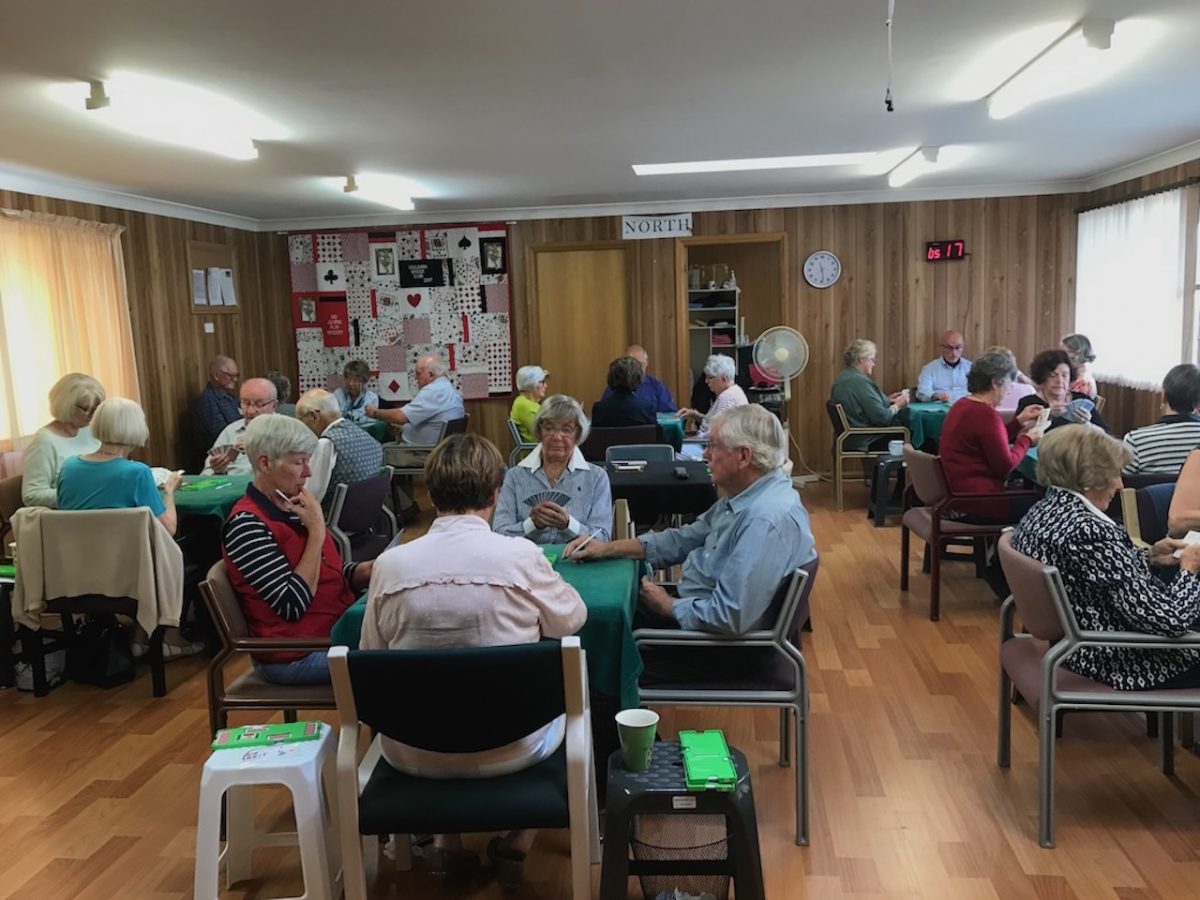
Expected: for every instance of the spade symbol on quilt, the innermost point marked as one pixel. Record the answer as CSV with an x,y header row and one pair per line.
x,y
464,242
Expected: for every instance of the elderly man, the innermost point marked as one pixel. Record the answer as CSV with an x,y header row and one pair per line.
x,y
1163,448
864,403
945,378
652,392
345,453
736,554
225,457
216,406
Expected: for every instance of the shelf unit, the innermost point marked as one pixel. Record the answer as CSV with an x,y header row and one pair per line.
x,y
713,312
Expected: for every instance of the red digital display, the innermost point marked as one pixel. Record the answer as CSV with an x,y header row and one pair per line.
x,y
941,251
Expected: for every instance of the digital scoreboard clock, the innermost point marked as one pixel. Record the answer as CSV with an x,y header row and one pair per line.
x,y
942,251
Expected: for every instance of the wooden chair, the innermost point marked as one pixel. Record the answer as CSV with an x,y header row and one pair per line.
x,y
843,431
932,522
1144,512
10,502
355,515
250,690
622,523
1032,662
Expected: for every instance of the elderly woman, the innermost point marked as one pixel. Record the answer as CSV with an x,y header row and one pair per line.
x,y
531,383
73,399
622,407
281,560
865,405
1110,584
719,374
463,586
1052,375
353,397
1079,349
978,450
345,453
556,464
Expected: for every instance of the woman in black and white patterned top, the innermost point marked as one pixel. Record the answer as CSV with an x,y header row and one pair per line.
x,y
1109,581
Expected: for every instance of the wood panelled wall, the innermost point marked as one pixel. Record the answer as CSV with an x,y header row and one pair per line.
x,y
171,346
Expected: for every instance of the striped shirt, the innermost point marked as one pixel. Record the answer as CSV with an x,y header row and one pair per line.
x,y
253,551
1161,448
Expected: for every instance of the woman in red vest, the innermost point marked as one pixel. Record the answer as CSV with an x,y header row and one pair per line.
x,y
281,560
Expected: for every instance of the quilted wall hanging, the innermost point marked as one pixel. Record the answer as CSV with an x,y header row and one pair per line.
x,y
388,297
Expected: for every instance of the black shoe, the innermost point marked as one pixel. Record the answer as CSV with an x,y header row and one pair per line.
x,y
507,863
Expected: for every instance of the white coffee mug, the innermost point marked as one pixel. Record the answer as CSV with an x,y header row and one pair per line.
x,y
895,448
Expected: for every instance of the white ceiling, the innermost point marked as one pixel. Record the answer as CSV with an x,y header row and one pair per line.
x,y
520,108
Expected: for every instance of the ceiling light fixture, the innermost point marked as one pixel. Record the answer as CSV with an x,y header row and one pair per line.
x,y
395,191
351,184
171,112
924,161
748,165
1091,51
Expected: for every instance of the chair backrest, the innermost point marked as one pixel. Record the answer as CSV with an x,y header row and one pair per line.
x,y
622,522
525,684
837,417
12,462
803,605
1153,506
10,499
1129,516
361,502
781,615
1100,401
926,476
456,426
223,604
600,439
649,452
515,432
1033,587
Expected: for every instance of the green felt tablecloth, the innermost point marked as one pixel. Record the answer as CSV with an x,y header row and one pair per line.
x,y
672,429
609,589
1028,466
215,498
924,421
376,428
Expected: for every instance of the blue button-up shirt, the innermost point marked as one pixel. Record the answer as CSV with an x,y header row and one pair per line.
x,y
939,376
735,555
434,404
589,509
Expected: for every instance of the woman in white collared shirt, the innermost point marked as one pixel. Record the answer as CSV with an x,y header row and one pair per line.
x,y
556,464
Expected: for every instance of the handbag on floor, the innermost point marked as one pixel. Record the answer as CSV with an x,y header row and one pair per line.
x,y
99,652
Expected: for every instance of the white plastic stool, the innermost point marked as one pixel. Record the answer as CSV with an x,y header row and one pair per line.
x,y
297,766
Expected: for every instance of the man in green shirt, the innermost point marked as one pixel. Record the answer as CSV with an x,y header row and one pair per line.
x,y
866,406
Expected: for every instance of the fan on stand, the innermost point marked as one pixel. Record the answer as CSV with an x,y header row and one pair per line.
x,y
779,355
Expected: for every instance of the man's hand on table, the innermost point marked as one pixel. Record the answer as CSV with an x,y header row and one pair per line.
x,y
585,548
655,599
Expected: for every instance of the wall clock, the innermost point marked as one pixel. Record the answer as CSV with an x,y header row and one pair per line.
x,y
822,269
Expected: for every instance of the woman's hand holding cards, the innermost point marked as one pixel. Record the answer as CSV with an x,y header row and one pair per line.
x,y
549,515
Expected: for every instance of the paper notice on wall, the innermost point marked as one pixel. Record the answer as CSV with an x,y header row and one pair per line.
x,y
228,297
199,288
214,286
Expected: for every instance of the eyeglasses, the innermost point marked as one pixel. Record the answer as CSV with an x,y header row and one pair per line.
x,y
952,346
234,374
258,404
564,430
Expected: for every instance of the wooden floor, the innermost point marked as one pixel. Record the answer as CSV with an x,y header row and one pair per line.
x,y
98,789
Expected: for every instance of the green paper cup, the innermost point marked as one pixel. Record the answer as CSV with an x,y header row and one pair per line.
x,y
636,729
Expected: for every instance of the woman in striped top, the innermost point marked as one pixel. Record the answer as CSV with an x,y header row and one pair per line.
x,y
1162,448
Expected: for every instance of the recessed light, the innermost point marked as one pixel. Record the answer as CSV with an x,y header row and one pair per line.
x,y
749,165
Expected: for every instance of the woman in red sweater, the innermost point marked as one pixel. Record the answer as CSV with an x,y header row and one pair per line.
x,y
978,450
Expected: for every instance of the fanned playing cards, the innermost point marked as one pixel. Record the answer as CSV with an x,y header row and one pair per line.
x,y
547,497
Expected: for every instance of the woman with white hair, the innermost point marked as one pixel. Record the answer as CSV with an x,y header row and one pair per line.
x,y
73,399
556,464
719,374
281,560
531,382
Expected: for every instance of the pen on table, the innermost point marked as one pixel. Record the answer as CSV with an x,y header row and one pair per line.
x,y
582,544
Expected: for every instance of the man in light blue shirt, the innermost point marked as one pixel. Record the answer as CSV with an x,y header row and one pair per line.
x,y
945,378
735,555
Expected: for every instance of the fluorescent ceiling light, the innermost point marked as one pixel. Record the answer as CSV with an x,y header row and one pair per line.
x,y
747,165
1092,51
171,112
926,160
395,191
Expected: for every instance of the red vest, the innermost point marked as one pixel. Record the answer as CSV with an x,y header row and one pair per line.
x,y
332,597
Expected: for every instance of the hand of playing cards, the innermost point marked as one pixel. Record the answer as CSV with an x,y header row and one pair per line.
x,y
549,496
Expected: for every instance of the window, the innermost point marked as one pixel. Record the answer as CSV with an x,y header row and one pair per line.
x,y
63,308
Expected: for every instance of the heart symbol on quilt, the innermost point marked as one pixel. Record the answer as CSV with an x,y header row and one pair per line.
x,y
414,300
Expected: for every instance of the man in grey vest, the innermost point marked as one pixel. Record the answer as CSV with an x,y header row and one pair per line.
x,y
345,453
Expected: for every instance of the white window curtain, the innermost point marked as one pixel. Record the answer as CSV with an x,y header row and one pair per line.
x,y
1133,287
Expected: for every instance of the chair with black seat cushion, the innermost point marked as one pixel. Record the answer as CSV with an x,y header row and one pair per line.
x,y
1031,662
784,685
843,431
648,452
250,690
595,448
471,699
359,521
398,455
933,522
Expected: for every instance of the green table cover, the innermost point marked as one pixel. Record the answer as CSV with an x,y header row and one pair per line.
x,y
924,421
1028,465
672,429
376,429
210,495
609,589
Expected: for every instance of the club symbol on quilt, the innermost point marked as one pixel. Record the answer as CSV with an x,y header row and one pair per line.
x,y
330,277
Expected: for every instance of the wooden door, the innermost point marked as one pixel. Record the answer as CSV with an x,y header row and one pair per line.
x,y
581,307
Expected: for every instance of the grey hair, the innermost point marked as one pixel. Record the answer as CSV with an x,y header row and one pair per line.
x,y
561,408
529,377
858,349
317,400
283,385
720,366
72,390
119,420
995,368
1080,458
275,437
1079,346
753,426
435,364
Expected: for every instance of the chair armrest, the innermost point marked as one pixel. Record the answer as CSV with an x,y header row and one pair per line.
x,y
881,429
268,645
955,499
668,637
1137,639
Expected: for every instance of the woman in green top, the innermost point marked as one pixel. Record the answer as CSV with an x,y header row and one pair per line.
x,y
531,382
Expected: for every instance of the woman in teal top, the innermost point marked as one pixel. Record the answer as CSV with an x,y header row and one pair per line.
x,y
531,382
107,478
